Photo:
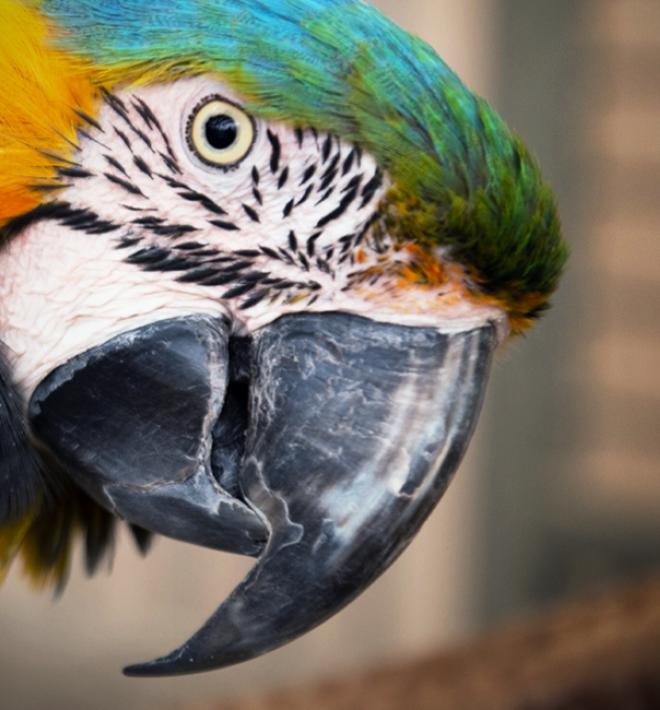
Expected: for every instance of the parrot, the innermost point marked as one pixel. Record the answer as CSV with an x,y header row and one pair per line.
x,y
256,257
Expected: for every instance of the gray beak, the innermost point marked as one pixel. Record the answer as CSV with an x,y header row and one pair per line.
x,y
320,445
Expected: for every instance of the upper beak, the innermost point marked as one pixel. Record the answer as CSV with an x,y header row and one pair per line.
x,y
320,445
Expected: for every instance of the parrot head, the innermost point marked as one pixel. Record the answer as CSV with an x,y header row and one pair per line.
x,y
256,258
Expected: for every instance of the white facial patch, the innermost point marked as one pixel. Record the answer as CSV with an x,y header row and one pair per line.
x,y
147,229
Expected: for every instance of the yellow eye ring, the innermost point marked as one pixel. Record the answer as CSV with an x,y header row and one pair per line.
x,y
220,133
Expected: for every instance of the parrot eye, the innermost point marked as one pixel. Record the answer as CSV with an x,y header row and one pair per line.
x,y
220,133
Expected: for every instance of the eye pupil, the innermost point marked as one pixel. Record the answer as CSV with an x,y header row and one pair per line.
x,y
221,131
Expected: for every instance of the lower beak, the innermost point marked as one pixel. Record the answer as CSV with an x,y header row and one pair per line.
x,y
321,446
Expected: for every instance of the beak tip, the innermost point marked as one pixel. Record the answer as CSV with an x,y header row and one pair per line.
x,y
134,671
158,668
175,664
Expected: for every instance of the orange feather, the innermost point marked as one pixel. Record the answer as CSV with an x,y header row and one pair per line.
x,y
42,88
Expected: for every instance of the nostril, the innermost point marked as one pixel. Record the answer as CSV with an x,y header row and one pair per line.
x,y
230,430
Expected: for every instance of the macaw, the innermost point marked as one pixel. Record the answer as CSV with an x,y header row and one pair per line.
x,y
256,258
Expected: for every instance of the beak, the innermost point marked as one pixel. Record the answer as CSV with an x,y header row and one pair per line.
x,y
321,445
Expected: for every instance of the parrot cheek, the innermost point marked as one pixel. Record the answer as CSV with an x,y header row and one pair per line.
x,y
321,444
64,292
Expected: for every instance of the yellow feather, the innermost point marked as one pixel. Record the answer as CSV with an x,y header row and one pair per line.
x,y
42,88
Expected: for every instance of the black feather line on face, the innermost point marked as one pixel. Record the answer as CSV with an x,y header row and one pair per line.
x,y
204,200
128,186
152,122
93,123
120,108
326,196
276,152
372,187
346,201
308,174
124,139
227,226
251,213
306,194
115,164
293,241
327,147
330,173
282,180
74,172
142,166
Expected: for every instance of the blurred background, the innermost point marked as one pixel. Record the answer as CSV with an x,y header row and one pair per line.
x,y
560,493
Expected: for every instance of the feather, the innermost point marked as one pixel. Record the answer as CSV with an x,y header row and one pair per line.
x,y
42,88
21,479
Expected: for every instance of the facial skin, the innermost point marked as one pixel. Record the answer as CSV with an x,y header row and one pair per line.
x,y
148,229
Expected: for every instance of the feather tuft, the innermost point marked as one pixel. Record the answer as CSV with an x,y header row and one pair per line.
x,y
42,90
